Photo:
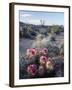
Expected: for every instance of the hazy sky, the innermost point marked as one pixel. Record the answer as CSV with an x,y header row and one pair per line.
x,y
34,17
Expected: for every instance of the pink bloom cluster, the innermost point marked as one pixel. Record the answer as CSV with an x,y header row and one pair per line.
x,y
44,50
44,61
32,52
32,69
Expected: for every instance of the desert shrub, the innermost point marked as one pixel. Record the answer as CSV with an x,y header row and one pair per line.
x,y
27,32
53,51
55,29
33,33
27,35
62,45
21,34
58,66
49,29
53,38
62,49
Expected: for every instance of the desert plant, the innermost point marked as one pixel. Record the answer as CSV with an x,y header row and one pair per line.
x,y
55,29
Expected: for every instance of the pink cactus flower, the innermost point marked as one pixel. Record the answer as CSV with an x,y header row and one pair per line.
x,y
32,69
43,60
44,50
28,51
31,52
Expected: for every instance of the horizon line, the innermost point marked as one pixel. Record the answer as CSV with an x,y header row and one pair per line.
x,y
43,25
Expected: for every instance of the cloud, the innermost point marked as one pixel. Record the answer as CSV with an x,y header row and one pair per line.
x,y
25,15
